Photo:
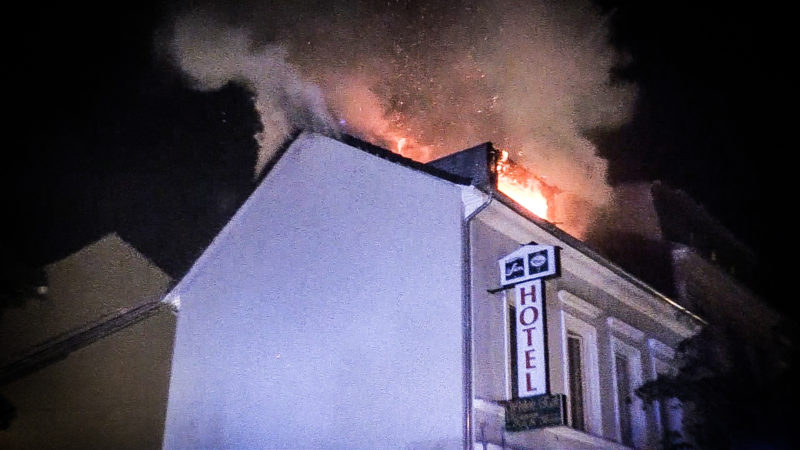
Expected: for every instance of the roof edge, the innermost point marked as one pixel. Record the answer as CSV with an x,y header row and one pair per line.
x,y
397,158
583,248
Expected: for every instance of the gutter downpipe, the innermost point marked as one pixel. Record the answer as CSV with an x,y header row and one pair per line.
x,y
466,318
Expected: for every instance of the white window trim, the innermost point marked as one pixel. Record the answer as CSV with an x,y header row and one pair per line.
x,y
660,350
659,425
624,329
591,374
661,361
638,419
573,301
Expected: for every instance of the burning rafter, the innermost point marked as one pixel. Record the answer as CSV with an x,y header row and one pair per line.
x,y
526,188
523,186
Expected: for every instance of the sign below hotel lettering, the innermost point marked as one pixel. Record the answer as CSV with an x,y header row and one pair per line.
x,y
524,269
536,412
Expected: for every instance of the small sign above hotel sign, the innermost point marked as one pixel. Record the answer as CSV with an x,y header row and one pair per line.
x,y
529,262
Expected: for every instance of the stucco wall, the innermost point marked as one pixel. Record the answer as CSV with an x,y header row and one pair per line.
x,y
490,323
327,314
488,244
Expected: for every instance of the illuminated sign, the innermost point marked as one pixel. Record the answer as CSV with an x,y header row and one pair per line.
x,y
536,412
524,269
529,262
531,349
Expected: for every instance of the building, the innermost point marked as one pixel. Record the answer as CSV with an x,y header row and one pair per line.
x,y
87,364
354,301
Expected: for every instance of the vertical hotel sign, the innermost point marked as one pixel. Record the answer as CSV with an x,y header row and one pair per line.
x,y
524,269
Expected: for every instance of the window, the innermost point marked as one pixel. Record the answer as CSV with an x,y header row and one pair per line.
x,y
581,375
668,414
670,419
624,399
575,375
511,351
627,376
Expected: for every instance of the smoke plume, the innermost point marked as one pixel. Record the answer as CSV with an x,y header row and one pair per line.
x,y
213,55
425,78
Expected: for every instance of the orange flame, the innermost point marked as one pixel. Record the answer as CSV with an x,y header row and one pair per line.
x,y
523,187
405,146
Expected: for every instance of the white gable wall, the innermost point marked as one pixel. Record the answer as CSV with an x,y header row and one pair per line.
x,y
326,314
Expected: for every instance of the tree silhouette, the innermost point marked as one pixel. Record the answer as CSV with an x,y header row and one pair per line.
x,y
734,394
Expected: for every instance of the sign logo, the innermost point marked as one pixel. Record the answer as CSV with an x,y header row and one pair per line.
x,y
538,260
529,262
515,268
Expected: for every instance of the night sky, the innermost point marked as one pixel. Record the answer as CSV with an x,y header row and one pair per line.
x,y
107,137
711,119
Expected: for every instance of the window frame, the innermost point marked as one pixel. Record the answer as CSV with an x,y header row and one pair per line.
x,y
638,418
576,412
662,361
590,371
509,344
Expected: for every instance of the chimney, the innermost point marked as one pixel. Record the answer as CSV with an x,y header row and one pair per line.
x,y
478,164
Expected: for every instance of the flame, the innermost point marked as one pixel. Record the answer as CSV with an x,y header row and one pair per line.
x,y
404,145
525,188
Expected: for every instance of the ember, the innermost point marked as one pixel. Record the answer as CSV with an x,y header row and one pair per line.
x,y
400,144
